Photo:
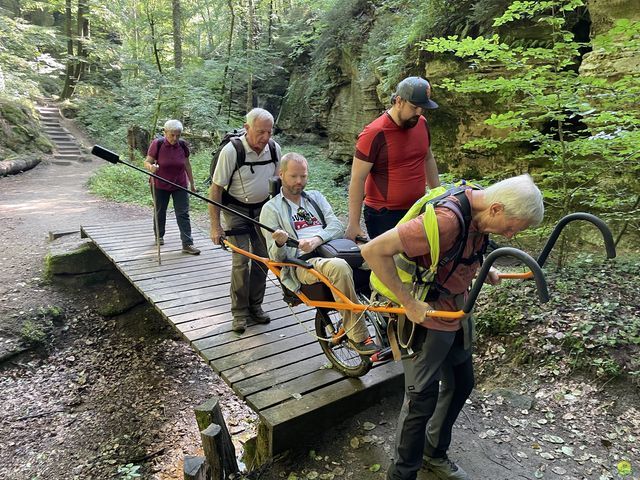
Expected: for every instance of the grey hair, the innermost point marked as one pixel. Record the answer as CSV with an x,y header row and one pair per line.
x,y
259,114
173,126
291,157
519,196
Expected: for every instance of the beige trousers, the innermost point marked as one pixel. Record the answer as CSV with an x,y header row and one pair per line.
x,y
340,275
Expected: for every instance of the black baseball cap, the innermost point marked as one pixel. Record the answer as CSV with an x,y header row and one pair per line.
x,y
417,91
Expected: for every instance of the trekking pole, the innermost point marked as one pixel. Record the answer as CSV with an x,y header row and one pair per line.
x,y
114,158
155,219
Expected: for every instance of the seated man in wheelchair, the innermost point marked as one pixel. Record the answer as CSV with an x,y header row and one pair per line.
x,y
308,217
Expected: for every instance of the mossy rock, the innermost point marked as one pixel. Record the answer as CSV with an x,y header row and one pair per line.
x,y
20,129
119,297
80,258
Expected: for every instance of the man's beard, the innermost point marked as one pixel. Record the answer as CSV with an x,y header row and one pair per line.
x,y
410,123
294,190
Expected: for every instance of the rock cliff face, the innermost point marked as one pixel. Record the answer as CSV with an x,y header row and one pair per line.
x,y
603,15
339,115
356,98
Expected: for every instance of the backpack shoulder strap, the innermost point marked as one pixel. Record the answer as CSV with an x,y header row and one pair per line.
x,y
317,207
273,151
463,213
158,147
241,156
185,149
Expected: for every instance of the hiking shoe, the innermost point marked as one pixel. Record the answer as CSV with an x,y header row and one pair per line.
x,y
239,324
260,316
191,250
366,347
161,241
444,469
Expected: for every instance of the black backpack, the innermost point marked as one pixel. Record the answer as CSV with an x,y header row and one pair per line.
x,y
241,156
182,143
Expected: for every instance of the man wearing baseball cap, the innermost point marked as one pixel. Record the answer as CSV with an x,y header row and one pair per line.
x,y
393,161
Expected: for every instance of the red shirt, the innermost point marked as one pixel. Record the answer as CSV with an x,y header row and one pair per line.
x,y
171,161
397,178
414,244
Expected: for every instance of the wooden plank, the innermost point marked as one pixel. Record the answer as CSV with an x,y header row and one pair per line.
x,y
261,351
280,360
179,313
294,388
280,325
201,328
186,284
287,422
218,346
274,378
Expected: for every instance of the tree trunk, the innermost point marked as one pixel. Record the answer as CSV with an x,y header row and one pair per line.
x,y
229,45
249,52
68,75
82,35
270,23
208,24
136,39
154,40
177,35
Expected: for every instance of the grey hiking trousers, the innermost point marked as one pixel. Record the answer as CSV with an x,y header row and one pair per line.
x,y
438,381
248,278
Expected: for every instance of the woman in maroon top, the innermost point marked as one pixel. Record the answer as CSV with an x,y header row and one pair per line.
x,y
168,157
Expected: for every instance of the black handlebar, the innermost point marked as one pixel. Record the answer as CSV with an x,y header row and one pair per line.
x,y
541,283
606,234
114,158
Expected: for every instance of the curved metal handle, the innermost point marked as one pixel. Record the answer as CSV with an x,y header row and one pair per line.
x,y
606,234
541,283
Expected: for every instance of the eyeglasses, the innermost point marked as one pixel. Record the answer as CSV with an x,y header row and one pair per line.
x,y
306,216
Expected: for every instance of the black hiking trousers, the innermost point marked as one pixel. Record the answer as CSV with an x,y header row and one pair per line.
x,y
438,381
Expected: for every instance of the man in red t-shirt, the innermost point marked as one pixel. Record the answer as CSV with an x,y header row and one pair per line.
x,y
393,161
443,346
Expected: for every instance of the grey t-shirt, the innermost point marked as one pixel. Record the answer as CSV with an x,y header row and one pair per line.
x,y
246,186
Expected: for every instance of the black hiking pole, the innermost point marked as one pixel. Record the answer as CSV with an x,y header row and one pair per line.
x,y
114,158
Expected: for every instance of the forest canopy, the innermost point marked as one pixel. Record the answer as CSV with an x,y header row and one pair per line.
x,y
550,88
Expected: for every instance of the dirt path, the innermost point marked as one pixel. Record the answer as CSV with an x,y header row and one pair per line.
x,y
107,392
100,394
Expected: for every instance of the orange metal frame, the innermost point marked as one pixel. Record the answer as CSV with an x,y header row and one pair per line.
x,y
347,304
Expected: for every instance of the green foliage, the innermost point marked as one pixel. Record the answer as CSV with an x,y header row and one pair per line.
x,y
37,327
591,322
33,333
584,128
327,176
26,61
122,184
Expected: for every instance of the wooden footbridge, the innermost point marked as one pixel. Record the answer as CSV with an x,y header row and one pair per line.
x,y
278,369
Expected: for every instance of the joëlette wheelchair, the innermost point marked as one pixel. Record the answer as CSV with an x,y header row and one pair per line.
x,y
379,317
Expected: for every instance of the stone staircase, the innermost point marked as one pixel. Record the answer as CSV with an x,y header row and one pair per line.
x,y
67,149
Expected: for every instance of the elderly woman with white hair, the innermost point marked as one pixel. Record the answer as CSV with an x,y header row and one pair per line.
x,y
168,157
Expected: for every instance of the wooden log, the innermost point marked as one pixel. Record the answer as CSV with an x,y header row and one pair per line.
x,y
195,468
213,451
210,413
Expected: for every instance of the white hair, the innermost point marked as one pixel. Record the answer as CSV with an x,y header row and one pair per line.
x,y
258,114
173,126
519,196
